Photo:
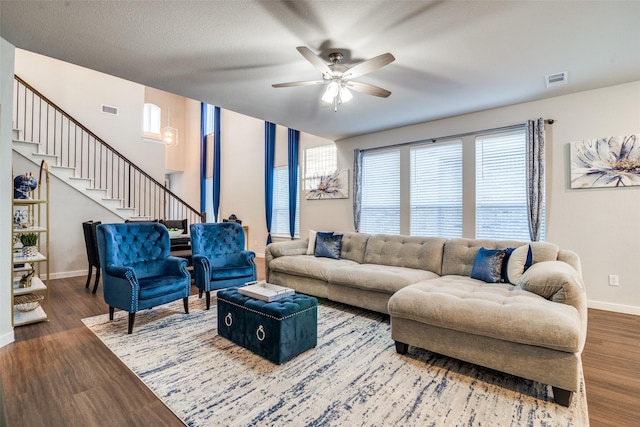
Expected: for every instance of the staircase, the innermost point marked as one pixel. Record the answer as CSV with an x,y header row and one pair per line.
x,y
79,158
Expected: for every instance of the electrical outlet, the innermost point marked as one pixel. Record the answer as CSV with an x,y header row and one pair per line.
x,y
613,280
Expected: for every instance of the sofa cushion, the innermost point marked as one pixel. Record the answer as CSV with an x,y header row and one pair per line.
x,y
354,246
496,310
424,253
487,265
308,265
459,254
379,278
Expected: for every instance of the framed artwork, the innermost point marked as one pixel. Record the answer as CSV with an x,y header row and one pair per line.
x,y
605,162
334,185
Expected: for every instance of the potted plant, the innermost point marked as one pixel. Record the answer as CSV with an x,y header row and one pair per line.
x,y
29,244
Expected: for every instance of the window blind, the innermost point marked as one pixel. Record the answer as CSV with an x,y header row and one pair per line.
x,y
280,209
380,206
436,190
501,202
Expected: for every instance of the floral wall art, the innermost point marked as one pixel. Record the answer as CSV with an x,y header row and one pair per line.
x,y
606,162
333,185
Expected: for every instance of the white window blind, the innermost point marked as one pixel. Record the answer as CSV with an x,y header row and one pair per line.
x,y
501,191
318,162
436,190
380,205
280,212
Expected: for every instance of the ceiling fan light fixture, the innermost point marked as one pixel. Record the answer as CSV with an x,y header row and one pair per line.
x,y
331,92
345,95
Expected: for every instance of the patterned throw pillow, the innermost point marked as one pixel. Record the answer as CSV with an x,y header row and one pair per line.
x,y
487,265
311,247
328,245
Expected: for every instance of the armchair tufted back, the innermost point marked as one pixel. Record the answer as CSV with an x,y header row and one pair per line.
x,y
142,246
221,242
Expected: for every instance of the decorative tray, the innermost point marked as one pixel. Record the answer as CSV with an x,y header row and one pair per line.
x,y
265,291
28,302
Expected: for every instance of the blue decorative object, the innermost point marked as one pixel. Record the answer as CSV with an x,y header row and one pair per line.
x,y
137,270
328,245
219,258
504,276
277,331
487,265
23,185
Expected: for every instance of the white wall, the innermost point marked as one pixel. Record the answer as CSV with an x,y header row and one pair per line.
x,y
81,93
242,179
6,191
599,224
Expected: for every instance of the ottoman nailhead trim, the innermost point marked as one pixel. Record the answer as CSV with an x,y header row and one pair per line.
x,y
265,314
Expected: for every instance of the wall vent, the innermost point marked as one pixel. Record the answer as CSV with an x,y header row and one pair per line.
x,y
110,110
556,79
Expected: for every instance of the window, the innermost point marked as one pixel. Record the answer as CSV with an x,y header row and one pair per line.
x,y
436,190
501,188
380,205
318,162
280,212
151,124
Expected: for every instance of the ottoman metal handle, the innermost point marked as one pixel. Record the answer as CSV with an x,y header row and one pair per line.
x,y
228,320
260,333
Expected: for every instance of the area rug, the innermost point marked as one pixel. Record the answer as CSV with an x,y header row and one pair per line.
x,y
354,377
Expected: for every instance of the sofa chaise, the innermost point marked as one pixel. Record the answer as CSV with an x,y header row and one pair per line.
x,y
530,323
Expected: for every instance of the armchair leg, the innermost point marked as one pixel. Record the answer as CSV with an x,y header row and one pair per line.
x,y
185,301
208,299
89,277
111,310
95,285
132,318
199,293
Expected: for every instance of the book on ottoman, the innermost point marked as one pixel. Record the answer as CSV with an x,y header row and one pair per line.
x,y
277,331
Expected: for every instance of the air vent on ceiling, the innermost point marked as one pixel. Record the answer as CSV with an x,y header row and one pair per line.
x,y
556,79
110,110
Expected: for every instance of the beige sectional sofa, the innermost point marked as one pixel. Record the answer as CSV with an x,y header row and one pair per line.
x,y
534,328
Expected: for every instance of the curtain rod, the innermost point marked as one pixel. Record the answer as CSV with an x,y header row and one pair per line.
x,y
456,136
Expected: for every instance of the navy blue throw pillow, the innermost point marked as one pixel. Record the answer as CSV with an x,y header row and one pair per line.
x,y
487,265
328,245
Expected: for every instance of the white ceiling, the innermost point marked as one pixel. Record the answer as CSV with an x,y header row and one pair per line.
x,y
452,57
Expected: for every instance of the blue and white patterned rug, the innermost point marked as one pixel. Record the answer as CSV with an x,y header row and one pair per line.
x,y
354,377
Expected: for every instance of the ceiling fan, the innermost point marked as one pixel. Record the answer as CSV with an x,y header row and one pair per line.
x,y
338,77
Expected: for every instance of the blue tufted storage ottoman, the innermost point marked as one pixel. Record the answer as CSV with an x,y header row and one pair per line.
x,y
277,331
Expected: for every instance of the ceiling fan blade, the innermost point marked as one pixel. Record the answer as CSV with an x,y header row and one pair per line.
x,y
307,83
368,89
369,65
314,59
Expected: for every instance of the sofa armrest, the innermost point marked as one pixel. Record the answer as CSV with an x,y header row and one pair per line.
x,y
558,282
278,249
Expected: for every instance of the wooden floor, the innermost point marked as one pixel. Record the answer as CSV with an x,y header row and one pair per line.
x,y
58,373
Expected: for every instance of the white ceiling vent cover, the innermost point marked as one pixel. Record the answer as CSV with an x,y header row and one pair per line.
x,y
110,110
556,79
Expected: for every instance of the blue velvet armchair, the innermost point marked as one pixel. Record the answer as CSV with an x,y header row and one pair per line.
x,y
219,258
137,270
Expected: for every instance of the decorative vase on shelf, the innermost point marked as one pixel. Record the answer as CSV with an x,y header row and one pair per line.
x,y
29,242
23,185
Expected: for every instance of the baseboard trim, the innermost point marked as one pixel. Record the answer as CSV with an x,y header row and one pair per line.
x,y
618,308
7,338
